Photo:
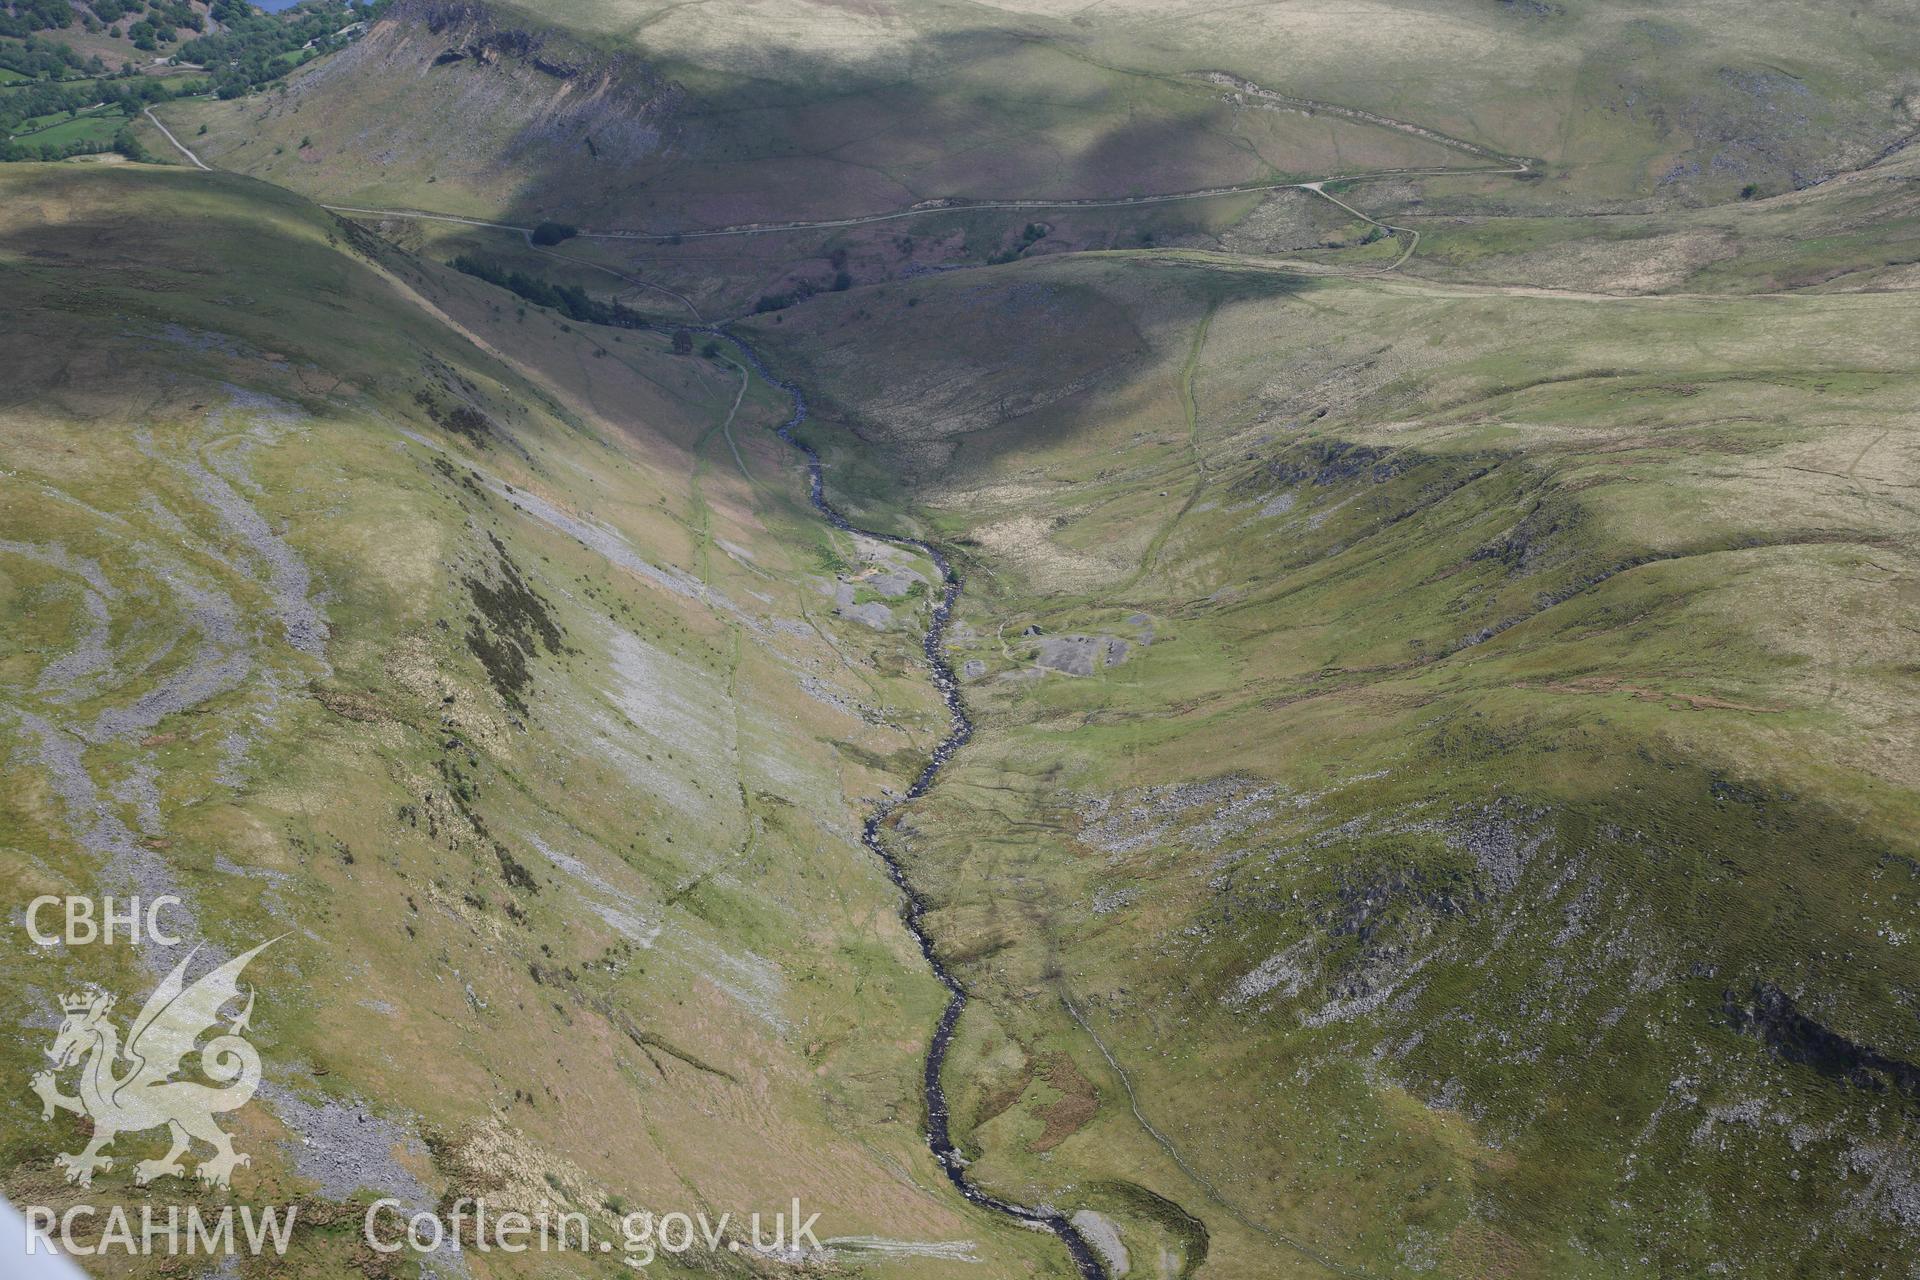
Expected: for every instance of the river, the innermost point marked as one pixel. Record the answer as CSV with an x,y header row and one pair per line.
x,y
959,731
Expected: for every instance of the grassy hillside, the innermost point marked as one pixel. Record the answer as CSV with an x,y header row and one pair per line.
x,y
482,110
1859,231
497,667
1444,802
1439,624
667,117
1525,143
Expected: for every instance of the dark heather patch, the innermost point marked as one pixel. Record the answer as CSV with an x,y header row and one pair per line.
x,y
460,419
511,621
1325,462
467,479
1770,1015
515,873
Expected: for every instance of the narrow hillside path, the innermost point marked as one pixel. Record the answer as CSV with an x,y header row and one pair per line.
x,y
957,205
701,512
726,424
182,147
1190,412
429,217
1234,89
1412,235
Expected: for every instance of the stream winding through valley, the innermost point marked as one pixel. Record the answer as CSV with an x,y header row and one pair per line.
x,y
1087,1262
939,1139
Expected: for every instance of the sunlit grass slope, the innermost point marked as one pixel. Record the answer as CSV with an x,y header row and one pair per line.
x,y
1445,801
498,668
673,116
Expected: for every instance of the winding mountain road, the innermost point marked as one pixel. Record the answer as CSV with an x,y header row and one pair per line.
x,y
954,205
1235,90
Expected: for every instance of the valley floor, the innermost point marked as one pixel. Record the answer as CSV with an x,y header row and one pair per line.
x,y
1227,723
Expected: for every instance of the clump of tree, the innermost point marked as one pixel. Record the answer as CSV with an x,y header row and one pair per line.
x,y
41,59
122,95
569,300
1033,234
129,146
24,17
554,232
163,23
122,141
842,278
245,49
251,48
799,293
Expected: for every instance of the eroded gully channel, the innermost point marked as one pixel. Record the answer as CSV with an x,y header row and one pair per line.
x,y
939,1139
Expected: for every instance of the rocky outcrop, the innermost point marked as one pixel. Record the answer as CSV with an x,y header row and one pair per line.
x,y
557,109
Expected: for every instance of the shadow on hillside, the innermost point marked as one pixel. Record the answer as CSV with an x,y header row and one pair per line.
x,y
610,138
